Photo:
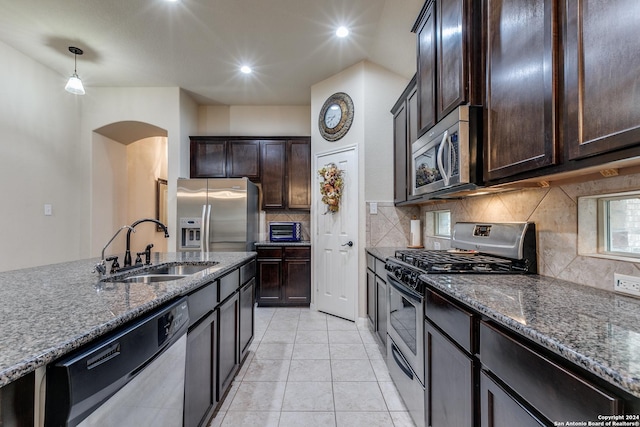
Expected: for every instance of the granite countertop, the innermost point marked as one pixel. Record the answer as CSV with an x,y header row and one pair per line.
x,y
384,252
269,243
596,329
51,310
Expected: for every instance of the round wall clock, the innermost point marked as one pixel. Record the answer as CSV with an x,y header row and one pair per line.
x,y
336,116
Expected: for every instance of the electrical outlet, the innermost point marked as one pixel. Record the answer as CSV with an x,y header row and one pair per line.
x,y
436,246
624,284
373,208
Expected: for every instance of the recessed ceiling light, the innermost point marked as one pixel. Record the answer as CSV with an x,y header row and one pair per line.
x,y
342,32
245,69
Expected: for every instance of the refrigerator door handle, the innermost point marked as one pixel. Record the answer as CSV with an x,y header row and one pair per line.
x,y
203,228
208,227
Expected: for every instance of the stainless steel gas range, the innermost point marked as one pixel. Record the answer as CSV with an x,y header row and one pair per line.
x,y
478,248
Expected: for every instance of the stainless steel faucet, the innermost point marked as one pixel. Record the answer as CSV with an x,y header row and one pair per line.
x,y
101,267
127,254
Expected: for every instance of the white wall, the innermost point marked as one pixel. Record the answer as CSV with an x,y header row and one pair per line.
x,y
42,160
241,120
373,90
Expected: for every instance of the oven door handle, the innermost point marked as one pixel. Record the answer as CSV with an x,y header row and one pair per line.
x,y
402,364
411,294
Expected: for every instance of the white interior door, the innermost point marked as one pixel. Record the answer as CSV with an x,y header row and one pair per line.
x,y
335,247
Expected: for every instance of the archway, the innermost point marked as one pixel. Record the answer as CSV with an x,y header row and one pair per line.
x,y
128,158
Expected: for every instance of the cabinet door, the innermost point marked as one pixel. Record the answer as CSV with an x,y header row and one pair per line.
x,y
371,299
449,382
297,281
208,158
246,316
269,281
200,375
601,59
426,45
299,174
521,127
400,153
499,409
381,309
227,343
451,50
272,155
244,159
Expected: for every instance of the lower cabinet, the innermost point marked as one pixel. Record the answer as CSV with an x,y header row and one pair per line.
x,y
499,409
228,357
200,376
381,309
371,297
377,297
284,276
246,314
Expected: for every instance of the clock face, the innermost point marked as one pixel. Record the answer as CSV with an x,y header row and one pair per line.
x,y
336,116
332,116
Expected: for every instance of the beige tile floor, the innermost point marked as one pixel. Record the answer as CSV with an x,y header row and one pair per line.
x,y
306,368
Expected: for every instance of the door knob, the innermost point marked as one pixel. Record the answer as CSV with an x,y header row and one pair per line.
x,y
349,243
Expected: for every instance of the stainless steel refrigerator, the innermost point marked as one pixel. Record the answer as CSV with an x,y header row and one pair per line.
x,y
217,214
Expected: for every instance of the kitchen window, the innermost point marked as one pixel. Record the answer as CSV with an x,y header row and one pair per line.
x,y
442,223
609,226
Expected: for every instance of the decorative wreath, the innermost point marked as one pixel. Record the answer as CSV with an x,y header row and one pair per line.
x,y
331,184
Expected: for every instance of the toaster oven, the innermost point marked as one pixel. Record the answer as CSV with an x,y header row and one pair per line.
x,y
285,231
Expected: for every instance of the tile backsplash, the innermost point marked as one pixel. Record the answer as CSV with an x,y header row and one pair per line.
x,y
554,211
303,218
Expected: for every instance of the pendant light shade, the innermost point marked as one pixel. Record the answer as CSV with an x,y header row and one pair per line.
x,y
74,85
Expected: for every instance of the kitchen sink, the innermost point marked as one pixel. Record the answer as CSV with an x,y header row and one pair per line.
x,y
161,273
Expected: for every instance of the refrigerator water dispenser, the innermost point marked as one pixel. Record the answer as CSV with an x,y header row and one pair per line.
x,y
190,233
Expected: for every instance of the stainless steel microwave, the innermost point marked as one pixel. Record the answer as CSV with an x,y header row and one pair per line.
x,y
285,231
447,159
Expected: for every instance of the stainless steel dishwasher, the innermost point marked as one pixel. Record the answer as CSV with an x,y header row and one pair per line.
x,y
134,377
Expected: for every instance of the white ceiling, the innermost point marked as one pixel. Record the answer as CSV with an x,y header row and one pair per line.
x,y
199,45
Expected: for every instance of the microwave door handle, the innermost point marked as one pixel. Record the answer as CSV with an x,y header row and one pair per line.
x,y
440,158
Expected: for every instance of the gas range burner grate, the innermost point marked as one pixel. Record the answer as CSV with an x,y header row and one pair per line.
x,y
432,261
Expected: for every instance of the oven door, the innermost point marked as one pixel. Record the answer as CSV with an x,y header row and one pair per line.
x,y
405,325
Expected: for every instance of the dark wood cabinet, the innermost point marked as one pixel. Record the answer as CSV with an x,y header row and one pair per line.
x,y
299,174
381,308
426,64
200,376
273,174
244,159
405,132
499,409
449,378
377,297
246,314
284,276
448,59
216,157
601,63
371,297
208,158
228,338
520,114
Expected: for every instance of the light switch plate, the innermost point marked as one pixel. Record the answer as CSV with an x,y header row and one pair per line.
x,y
48,210
624,284
373,208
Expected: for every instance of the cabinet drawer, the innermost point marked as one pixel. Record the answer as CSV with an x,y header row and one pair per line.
x,y
269,252
202,301
453,320
371,263
229,284
380,271
297,252
247,271
551,389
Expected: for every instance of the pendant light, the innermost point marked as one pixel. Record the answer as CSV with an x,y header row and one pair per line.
x,y
74,85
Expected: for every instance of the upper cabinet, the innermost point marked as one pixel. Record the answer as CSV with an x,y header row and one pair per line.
x,y
282,165
405,132
521,131
601,80
214,157
447,58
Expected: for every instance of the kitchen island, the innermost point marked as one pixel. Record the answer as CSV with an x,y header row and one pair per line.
x,y
51,310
